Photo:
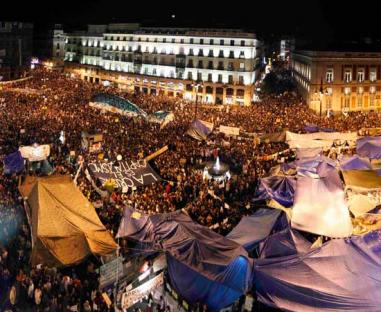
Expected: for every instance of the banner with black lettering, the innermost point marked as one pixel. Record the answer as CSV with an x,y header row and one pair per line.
x,y
124,173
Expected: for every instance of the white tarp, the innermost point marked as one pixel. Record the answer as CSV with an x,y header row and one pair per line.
x,y
319,139
229,130
320,208
35,153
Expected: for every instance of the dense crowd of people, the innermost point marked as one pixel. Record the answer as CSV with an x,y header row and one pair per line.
x,y
54,102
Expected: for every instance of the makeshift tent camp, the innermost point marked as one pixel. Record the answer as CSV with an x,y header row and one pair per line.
x,y
251,230
203,266
279,188
65,226
284,243
200,129
308,152
369,147
355,163
342,275
320,208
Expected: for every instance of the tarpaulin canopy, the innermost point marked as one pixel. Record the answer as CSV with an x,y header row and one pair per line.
x,y
65,226
308,152
318,166
255,228
203,266
279,188
318,139
342,275
355,162
320,208
362,180
273,137
13,163
284,243
200,129
310,128
369,147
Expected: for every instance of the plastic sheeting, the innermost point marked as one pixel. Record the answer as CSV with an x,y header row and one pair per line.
x,y
318,139
253,229
308,152
203,266
362,180
284,243
369,147
315,167
200,129
342,275
320,207
278,188
13,163
65,226
355,163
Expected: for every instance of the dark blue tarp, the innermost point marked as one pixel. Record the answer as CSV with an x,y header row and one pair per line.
x,y
342,275
284,243
253,229
13,163
355,163
318,166
369,147
278,188
199,130
311,128
203,266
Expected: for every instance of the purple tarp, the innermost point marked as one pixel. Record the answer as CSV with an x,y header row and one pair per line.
x,y
369,147
253,229
355,163
203,266
342,275
278,188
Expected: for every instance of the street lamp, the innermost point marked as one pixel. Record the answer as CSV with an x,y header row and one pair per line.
x,y
196,85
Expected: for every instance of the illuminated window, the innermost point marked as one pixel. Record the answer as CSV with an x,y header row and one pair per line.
x,y
347,90
348,75
359,101
361,75
372,89
329,75
373,74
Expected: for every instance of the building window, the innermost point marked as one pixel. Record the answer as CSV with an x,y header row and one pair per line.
x,y
347,91
200,64
190,76
372,89
211,41
200,52
372,100
373,74
348,75
242,43
210,54
359,101
164,40
230,79
191,40
222,42
199,76
347,100
210,77
201,41
361,75
241,54
173,40
210,65
329,75
181,40
230,66
190,51
219,78
241,65
221,54
154,72
240,79
220,65
232,42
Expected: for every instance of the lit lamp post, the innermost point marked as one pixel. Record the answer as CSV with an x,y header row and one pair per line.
x,y
196,86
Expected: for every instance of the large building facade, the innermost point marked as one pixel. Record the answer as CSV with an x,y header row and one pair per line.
x,y
16,45
212,66
338,81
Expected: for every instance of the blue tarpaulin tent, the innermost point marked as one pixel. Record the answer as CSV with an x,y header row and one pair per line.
x,y
318,166
203,266
342,275
278,188
355,163
253,229
13,163
369,147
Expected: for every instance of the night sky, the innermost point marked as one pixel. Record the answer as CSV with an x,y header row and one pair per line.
x,y
320,19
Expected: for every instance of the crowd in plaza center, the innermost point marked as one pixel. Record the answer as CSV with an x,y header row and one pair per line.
x,y
60,103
